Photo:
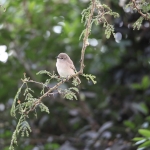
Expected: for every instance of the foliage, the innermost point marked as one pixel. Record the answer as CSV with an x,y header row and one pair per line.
x,y
22,108
21,128
25,108
101,11
121,95
90,77
68,94
143,85
138,23
143,142
143,8
30,102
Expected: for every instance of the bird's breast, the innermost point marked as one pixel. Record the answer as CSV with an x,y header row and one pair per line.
x,y
64,69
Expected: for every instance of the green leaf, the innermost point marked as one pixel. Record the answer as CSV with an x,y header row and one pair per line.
x,y
90,77
70,95
75,82
145,82
43,72
44,108
13,108
129,124
75,89
137,139
146,7
145,144
141,141
138,23
136,86
144,108
144,132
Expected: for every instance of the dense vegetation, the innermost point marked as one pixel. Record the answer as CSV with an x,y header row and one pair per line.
x,y
106,114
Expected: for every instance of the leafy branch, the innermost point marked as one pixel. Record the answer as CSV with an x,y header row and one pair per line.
x,y
143,8
143,142
70,93
22,127
30,102
90,77
99,17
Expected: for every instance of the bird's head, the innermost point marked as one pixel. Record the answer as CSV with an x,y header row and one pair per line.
x,y
62,57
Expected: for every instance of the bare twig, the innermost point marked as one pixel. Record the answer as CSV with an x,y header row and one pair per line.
x,y
139,10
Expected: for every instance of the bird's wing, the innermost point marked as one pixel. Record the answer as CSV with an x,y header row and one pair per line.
x,y
72,65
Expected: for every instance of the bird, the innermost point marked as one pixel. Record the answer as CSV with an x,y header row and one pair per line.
x,y
65,66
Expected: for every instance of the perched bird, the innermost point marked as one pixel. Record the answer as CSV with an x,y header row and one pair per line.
x,y
65,66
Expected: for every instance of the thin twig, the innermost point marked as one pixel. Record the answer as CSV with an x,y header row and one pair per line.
x,y
38,83
139,10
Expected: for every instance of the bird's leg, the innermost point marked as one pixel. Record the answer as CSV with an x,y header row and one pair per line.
x,y
67,78
62,79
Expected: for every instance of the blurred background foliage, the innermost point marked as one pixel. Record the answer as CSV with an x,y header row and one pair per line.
x,y
108,114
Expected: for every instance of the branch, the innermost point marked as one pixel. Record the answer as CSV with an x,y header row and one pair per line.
x,y
139,10
85,44
39,83
26,107
86,35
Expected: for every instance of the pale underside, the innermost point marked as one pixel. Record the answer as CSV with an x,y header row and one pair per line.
x,y
65,68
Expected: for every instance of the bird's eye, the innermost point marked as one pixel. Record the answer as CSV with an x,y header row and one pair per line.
x,y
61,57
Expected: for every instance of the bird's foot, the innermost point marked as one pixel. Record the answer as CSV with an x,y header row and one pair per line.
x,y
67,78
63,79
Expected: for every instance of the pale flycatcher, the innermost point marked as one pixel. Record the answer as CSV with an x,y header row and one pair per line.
x,y
65,66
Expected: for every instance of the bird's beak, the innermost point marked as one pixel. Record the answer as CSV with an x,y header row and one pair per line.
x,y
57,57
